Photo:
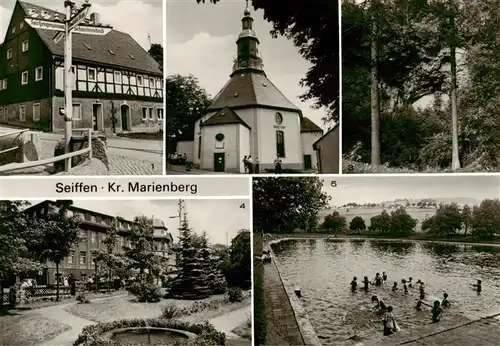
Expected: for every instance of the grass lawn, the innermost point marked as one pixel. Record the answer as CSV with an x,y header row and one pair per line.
x,y
28,329
209,314
244,330
124,308
46,303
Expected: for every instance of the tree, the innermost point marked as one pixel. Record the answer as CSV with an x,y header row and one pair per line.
x,y
486,219
357,224
309,25
191,281
446,222
402,224
186,102
107,255
335,223
466,218
14,242
216,280
58,233
240,273
381,223
283,204
156,51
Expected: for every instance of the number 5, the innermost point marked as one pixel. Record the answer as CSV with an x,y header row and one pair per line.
x,y
333,184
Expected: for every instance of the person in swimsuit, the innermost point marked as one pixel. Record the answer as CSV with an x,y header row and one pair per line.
x,y
395,286
366,283
437,312
354,284
478,286
404,285
445,303
378,279
389,322
384,276
410,285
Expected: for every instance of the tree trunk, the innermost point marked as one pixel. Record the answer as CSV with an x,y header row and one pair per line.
x,y
57,281
375,102
1,294
455,160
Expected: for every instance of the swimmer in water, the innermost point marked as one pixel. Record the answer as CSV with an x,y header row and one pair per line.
x,y
477,286
389,322
384,276
378,279
445,303
379,304
437,312
366,283
354,284
395,286
404,285
409,282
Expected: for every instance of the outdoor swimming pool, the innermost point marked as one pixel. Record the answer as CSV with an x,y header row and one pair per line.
x,y
323,269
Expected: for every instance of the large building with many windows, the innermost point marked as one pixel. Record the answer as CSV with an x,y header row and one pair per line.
x,y
117,86
93,231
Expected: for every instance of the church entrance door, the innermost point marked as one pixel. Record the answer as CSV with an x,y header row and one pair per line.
x,y
219,164
307,162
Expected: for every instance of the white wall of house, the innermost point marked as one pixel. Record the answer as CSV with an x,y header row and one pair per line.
x,y
308,139
244,139
197,134
229,146
267,128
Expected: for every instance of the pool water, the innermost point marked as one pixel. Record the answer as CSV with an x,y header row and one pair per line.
x,y
324,268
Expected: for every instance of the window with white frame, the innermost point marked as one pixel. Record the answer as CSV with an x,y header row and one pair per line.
x,y
9,53
139,80
71,258
118,77
144,114
25,46
159,114
151,114
21,25
4,84
24,78
36,112
83,257
151,83
93,237
77,111
13,30
38,73
22,113
92,74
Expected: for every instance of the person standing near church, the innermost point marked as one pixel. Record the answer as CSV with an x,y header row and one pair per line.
x,y
257,169
250,164
245,164
277,165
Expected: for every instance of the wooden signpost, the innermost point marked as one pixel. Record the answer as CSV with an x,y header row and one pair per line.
x,y
65,29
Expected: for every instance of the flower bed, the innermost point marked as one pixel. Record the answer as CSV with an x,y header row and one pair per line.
x,y
96,335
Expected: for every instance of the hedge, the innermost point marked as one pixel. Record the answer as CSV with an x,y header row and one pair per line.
x,y
259,304
14,155
99,151
206,333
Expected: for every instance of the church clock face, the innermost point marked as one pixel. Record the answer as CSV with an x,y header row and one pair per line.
x,y
243,63
279,118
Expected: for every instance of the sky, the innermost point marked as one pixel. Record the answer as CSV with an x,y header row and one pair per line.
x,y
216,217
378,189
201,40
135,17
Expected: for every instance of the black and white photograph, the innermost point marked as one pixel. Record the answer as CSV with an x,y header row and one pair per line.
x,y
81,87
353,260
419,86
123,272
252,87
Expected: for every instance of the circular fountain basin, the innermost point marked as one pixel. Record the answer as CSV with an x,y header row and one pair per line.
x,y
144,335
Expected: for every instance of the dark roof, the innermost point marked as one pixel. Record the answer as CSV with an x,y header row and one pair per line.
x,y
128,53
224,117
251,89
307,125
326,134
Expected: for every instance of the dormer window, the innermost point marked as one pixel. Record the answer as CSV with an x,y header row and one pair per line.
x,y
131,56
235,95
21,25
92,74
13,30
9,53
25,46
111,52
88,46
45,14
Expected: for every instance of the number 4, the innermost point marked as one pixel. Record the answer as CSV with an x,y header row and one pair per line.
x,y
333,184
243,206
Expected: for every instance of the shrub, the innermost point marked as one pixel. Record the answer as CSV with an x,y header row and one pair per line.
x,y
82,299
145,292
99,151
16,155
170,311
260,321
206,333
235,294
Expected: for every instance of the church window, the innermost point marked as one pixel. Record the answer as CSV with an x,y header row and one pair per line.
x,y
279,118
219,137
199,147
280,143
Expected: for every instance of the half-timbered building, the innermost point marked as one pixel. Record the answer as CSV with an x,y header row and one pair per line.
x,y
117,86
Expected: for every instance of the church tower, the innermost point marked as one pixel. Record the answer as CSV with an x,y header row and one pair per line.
x,y
248,59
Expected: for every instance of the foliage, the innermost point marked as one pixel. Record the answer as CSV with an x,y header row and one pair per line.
x,y
335,223
235,294
107,256
170,311
145,291
357,224
82,299
99,151
466,217
186,103
192,281
16,155
281,205
446,222
402,224
156,51
486,219
93,335
239,271
381,223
